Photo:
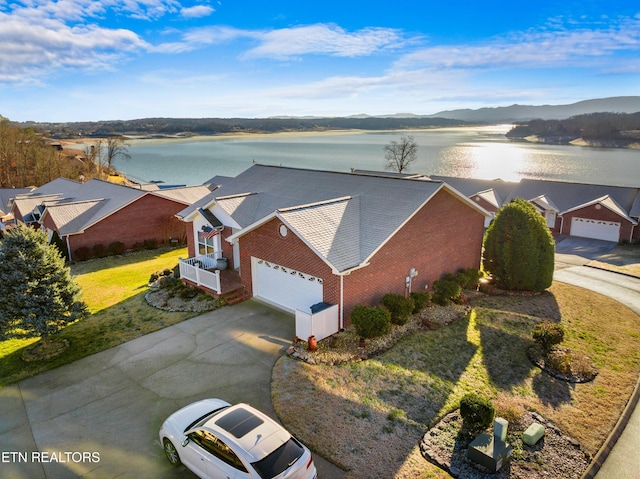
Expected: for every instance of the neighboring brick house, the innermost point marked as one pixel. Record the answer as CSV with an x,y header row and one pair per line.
x,y
100,213
300,237
603,212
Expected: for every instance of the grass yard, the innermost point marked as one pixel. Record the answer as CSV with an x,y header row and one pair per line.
x,y
369,416
114,290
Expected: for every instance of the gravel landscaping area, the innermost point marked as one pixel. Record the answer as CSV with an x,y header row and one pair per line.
x,y
555,455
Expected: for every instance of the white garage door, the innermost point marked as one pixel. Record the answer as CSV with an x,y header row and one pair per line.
x,y
596,229
284,287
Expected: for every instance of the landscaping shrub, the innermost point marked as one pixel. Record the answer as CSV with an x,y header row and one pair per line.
x,y
468,278
445,291
399,307
150,243
420,300
100,251
116,248
547,335
476,411
519,250
82,254
187,291
371,321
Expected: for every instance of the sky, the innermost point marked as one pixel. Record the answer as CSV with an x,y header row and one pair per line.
x,y
91,60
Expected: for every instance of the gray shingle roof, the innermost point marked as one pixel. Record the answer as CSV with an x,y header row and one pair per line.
x,y
345,217
569,196
472,186
7,195
186,195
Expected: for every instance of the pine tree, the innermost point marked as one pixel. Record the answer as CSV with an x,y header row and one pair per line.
x,y
38,296
519,249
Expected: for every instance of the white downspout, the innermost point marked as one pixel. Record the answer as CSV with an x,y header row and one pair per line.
x,y
341,325
68,247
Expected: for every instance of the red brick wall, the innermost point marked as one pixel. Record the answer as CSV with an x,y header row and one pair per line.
x,y
147,218
444,236
603,214
267,243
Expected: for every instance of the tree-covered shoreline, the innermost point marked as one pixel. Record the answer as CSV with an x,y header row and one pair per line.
x,y
608,130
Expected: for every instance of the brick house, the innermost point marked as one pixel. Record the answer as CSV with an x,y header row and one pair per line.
x,y
100,213
609,213
300,237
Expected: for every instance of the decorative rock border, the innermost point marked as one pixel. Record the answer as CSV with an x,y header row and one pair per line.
x,y
538,359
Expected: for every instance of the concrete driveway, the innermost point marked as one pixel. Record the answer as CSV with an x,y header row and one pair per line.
x,y
574,250
99,417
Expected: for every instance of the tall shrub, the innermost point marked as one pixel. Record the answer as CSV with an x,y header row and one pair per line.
x,y
371,322
519,249
399,307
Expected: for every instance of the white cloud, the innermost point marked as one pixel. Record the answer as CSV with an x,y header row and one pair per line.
x,y
29,50
197,11
534,49
323,39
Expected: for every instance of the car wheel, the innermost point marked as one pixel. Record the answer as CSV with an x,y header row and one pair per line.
x,y
171,452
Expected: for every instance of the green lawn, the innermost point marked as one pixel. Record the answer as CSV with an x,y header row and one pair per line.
x,y
114,290
369,415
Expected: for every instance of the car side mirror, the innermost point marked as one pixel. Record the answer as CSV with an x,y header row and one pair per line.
x,y
185,441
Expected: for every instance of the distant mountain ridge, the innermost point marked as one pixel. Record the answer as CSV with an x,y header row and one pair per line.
x,y
513,113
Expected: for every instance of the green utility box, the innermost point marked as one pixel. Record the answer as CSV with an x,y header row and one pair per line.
x,y
533,434
491,451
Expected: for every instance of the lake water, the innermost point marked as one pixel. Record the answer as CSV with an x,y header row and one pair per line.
x,y
478,152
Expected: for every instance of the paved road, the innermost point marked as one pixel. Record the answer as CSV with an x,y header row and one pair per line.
x,y
620,456
110,405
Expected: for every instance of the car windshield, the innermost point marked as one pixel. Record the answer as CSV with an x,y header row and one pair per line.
x,y
204,418
279,460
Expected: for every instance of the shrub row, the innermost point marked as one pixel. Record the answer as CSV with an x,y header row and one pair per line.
x,y
98,251
113,249
449,288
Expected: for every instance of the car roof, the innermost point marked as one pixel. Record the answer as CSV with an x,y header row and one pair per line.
x,y
254,432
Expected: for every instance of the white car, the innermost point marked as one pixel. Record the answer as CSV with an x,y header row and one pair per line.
x,y
219,441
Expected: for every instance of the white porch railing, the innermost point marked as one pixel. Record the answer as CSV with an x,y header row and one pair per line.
x,y
196,270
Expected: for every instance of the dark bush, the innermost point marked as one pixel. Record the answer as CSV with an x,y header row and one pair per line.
x,y
82,254
150,243
59,243
187,291
169,282
420,300
399,307
547,335
116,248
100,251
445,291
138,246
371,322
476,411
468,278
176,271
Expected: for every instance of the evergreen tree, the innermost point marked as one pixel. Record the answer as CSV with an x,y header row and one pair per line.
x,y
37,293
519,249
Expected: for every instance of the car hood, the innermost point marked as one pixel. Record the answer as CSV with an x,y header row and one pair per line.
x,y
183,418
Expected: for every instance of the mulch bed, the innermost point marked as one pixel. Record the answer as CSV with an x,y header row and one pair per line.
x,y
555,455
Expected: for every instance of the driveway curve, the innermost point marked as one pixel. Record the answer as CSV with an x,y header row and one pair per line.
x,y
618,458
99,416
